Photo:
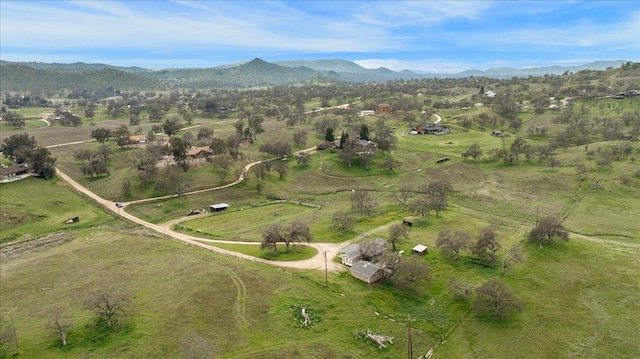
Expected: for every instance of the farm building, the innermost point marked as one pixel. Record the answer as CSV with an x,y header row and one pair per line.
x,y
13,172
431,129
366,271
218,207
350,254
199,152
420,249
366,113
384,108
138,139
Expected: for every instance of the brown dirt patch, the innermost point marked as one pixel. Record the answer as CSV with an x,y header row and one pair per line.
x,y
21,249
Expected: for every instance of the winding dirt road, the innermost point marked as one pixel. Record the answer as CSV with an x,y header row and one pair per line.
x,y
316,262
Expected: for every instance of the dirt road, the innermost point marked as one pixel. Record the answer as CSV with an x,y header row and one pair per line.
x,y
317,262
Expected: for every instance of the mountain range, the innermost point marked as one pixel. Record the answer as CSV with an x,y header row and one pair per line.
x,y
38,76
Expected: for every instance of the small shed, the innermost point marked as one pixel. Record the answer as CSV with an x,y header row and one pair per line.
x,y
366,271
72,220
218,207
420,249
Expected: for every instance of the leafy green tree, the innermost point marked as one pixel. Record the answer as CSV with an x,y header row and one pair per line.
x,y
328,135
171,126
122,136
364,132
101,134
178,148
42,163
15,119
18,147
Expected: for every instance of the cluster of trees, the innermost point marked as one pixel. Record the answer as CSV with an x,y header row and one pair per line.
x,y
22,148
295,232
15,119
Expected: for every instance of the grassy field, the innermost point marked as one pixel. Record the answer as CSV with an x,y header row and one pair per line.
x,y
579,298
32,207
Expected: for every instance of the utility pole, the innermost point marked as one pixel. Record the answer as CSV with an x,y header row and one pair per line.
x,y
15,333
326,274
409,341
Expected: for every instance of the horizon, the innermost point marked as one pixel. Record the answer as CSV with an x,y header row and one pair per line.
x,y
421,36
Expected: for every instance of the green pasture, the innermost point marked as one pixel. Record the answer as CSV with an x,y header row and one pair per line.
x,y
33,207
242,308
295,253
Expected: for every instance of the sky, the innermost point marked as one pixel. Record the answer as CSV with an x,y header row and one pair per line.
x,y
427,36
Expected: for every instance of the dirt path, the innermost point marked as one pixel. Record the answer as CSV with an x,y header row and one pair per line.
x,y
316,262
326,251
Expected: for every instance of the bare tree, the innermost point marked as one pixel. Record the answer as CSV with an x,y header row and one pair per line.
x,y
474,152
402,195
59,322
437,193
486,245
548,230
295,232
397,232
362,202
110,304
412,274
460,290
342,221
300,137
271,236
495,300
373,249
453,241
513,256
303,159
390,163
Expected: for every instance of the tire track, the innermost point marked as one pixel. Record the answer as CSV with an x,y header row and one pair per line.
x,y
239,308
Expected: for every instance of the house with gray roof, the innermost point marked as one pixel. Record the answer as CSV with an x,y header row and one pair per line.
x,y
366,271
350,254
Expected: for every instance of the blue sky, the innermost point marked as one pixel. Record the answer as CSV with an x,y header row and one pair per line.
x,y
437,36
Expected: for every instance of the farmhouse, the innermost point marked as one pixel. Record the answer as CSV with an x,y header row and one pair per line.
x,y
350,254
138,139
366,113
220,207
384,108
13,172
366,271
199,152
431,129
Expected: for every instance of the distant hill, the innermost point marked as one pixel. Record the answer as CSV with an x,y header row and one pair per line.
x,y
24,78
508,72
32,76
255,73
